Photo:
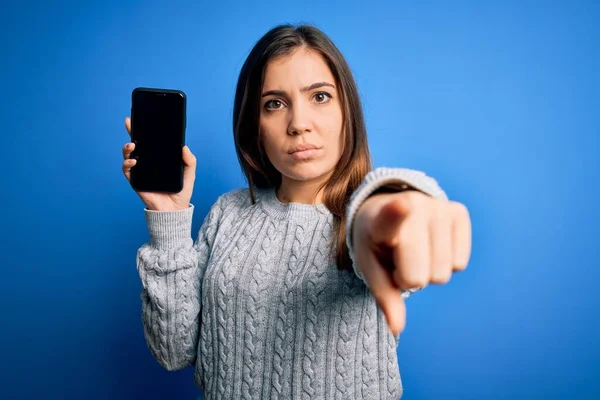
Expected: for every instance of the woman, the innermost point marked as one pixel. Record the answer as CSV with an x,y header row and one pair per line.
x,y
294,286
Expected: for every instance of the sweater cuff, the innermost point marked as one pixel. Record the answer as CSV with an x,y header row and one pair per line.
x,y
395,178
169,229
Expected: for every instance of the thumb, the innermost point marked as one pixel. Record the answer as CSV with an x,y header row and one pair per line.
x,y
189,161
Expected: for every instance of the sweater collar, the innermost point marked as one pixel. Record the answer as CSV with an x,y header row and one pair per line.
x,y
290,211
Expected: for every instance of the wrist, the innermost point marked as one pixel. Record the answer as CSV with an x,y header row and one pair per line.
x,y
169,229
166,207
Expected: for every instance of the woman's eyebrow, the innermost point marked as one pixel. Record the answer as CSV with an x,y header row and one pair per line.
x,y
304,89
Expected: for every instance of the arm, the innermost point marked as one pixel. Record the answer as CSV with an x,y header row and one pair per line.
x,y
171,268
387,180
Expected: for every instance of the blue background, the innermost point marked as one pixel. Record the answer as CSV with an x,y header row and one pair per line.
x,y
498,101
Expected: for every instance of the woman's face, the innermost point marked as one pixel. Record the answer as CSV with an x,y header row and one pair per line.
x,y
301,117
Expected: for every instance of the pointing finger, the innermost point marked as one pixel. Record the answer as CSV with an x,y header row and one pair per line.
x,y
385,292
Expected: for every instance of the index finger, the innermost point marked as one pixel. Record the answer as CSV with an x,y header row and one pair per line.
x,y
386,293
128,125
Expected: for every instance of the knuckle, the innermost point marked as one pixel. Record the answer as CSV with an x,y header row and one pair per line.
x,y
440,211
406,200
459,267
460,209
441,276
412,281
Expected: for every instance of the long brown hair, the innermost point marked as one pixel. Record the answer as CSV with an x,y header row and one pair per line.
x,y
355,161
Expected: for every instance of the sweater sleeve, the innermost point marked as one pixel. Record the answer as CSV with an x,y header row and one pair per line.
x,y
393,178
171,267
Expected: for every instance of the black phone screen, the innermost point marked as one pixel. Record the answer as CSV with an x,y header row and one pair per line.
x,y
158,131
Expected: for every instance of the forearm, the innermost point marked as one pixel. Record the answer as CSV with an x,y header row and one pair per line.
x,y
170,303
170,268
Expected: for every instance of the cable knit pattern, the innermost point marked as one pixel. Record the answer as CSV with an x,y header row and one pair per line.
x,y
226,311
258,305
279,356
284,342
369,384
393,380
315,292
347,337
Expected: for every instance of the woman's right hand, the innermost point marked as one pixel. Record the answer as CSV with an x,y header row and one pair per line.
x,y
163,201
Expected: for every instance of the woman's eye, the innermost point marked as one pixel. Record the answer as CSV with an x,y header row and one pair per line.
x,y
273,105
322,97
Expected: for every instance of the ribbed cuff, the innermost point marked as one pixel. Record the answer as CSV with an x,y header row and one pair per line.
x,y
404,179
169,229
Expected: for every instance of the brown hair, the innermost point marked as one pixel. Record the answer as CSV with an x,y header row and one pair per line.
x,y
355,161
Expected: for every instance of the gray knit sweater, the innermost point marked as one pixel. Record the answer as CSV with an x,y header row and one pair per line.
x,y
257,304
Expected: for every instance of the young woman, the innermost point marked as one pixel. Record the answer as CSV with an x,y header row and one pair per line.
x,y
294,287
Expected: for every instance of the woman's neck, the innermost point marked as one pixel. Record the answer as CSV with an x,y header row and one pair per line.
x,y
303,192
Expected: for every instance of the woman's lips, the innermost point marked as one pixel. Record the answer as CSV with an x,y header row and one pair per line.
x,y
304,154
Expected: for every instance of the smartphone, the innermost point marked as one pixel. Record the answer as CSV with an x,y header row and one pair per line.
x,y
158,120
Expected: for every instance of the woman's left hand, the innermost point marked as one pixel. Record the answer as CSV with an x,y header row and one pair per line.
x,y
407,240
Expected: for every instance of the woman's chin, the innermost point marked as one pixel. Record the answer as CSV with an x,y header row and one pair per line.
x,y
306,173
